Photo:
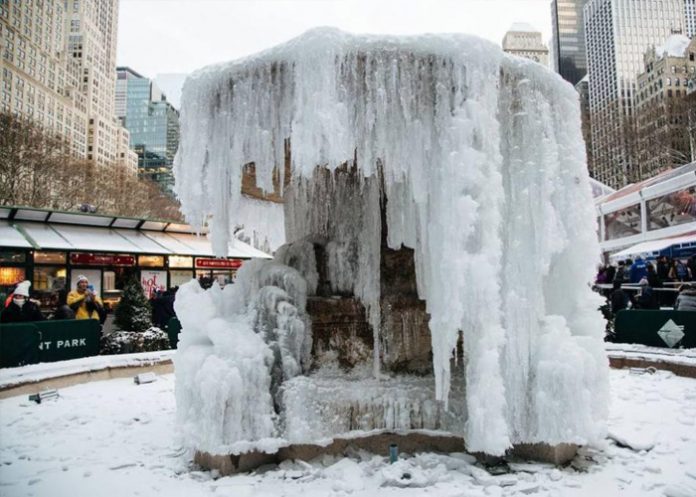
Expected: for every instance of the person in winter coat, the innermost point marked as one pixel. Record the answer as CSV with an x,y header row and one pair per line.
x,y
83,301
63,310
679,271
21,309
686,300
646,298
619,299
663,266
622,272
638,270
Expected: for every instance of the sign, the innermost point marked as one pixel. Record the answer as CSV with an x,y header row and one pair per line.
x,y
219,263
48,341
102,259
671,333
153,281
656,328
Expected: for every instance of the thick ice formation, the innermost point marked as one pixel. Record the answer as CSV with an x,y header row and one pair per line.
x,y
238,346
483,171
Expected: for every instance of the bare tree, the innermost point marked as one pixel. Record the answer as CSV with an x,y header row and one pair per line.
x,y
38,170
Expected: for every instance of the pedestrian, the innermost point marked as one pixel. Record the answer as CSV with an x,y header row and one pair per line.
x,y
654,279
83,301
620,275
21,309
162,308
601,276
691,264
619,298
686,300
63,310
663,268
638,270
679,271
646,296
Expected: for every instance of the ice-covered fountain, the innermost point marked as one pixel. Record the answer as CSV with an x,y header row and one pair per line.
x,y
441,240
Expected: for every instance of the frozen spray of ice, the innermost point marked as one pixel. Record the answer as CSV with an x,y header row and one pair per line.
x,y
484,176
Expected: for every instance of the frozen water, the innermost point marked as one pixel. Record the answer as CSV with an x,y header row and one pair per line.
x,y
238,347
481,161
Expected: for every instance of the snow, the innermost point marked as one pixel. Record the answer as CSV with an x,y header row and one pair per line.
x,y
680,357
116,438
674,46
483,168
33,373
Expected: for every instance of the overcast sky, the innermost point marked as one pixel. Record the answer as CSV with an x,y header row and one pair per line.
x,y
179,36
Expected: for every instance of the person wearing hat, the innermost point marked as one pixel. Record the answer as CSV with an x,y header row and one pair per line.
x,y
646,298
83,301
21,309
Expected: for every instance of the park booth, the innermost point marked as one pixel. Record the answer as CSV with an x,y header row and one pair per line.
x,y
51,248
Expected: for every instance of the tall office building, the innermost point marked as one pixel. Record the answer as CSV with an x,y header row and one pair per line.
x,y
617,34
525,41
58,61
153,124
568,41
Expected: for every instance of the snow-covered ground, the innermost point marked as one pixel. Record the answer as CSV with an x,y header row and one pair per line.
x,y
115,438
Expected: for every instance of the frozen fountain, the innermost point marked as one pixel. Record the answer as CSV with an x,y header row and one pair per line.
x,y
441,237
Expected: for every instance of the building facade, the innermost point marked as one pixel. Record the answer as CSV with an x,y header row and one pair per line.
x,y
568,42
690,18
662,108
525,41
617,33
57,70
583,89
153,124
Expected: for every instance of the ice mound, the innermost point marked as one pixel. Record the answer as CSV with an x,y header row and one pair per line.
x,y
478,160
237,347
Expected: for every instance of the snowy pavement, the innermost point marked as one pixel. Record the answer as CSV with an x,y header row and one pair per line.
x,y
117,439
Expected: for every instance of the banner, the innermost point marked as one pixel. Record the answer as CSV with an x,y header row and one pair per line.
x,y
152,281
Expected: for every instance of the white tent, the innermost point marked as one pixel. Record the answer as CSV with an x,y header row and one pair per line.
x,y
652,248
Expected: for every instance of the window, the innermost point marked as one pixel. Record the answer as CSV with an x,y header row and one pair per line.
x,y
180,261
151,260
50,257
672,209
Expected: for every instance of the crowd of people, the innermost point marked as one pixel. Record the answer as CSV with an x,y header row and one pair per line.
x,y
664,272
80,303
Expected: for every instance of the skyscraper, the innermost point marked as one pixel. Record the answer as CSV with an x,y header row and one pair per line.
x,y
525,41
153,124
568,42
617,34
58,61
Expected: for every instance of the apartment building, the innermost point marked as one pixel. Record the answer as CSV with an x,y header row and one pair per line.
x,y
662,109
58,61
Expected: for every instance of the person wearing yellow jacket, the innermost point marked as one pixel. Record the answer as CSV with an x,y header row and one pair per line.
x,y
83,301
